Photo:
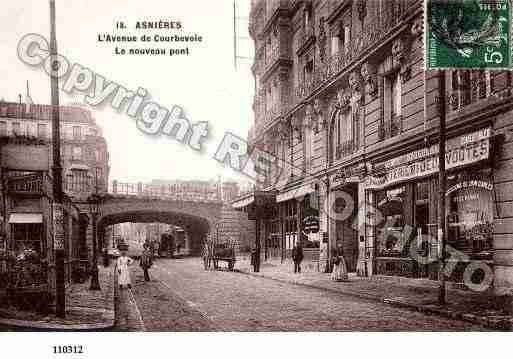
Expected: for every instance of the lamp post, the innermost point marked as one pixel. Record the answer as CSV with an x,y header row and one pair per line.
x,y
58,195
94,209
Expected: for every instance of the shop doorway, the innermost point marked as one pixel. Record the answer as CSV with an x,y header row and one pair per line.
x,y
346,228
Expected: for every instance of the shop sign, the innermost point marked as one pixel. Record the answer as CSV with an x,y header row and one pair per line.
x,y
345,176
460,151
58,226
470,184
311,224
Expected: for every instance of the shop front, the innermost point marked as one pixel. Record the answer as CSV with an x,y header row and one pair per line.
x,y
299,217
344,229
404,193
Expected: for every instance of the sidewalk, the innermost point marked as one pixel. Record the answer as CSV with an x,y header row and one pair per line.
x,y
414,294
85,310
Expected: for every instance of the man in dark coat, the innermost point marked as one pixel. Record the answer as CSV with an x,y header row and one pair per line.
x,y
146,262
297,257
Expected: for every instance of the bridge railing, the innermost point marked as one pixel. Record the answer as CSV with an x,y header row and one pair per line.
x,y
178,192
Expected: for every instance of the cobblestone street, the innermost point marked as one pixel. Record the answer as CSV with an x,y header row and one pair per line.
x,y
184,297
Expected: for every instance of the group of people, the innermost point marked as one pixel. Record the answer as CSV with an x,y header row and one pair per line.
x,y
338,263
123,263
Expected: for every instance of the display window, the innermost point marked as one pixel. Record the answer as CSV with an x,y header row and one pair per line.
x,y
469,203
391,203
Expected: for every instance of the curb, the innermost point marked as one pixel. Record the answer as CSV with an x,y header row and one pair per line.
x,y
501,323
495,323
108,319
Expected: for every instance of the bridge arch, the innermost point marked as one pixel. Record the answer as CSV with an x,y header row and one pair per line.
x,y
197,218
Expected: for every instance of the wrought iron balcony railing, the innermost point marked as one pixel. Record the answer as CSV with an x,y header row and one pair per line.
x,y
390,128
345,148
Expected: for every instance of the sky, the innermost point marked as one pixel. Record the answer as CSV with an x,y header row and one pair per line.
x,y
206,83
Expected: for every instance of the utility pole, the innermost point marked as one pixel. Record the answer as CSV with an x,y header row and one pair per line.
x,y
442,184
58,211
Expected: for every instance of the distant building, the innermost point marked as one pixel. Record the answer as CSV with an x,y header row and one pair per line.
x,y
85,163
84,152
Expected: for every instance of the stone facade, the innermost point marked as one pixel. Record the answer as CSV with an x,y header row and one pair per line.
x,y
84,151
343,102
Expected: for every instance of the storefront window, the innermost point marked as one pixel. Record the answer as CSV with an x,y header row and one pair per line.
x,y
470,212
290,223
391,203
310,214
28,237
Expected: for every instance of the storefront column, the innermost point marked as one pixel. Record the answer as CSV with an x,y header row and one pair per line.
x,y
362,265
331,223
369,229
323,226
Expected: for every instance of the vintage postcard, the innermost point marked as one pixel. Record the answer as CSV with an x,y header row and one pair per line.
x,y
255,166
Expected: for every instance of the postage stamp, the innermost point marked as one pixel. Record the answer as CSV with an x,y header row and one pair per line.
x,y
472,34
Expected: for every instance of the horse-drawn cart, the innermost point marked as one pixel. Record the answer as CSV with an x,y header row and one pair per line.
x,y
219,252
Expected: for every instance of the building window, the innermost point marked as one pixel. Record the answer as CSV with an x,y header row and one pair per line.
x,y
344,135
77,135
392,106
42,130
78,181
308,70
3,129
469,86
76,154
16,129
31,130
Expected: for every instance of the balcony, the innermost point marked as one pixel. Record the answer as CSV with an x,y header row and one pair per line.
x,y
28,184
390,128
372,37
473,88
268,116
345,148
306,39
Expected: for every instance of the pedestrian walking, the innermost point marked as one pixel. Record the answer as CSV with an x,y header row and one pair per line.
x,y
255,260
297,257
339,273
206,256
146,262
122,265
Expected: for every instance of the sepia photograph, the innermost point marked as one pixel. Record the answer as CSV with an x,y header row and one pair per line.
x,y
255,166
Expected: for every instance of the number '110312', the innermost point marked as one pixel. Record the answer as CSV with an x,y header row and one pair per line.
x,y
68,349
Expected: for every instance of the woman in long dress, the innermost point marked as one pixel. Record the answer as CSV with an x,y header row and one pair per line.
x,y
123,272
339,273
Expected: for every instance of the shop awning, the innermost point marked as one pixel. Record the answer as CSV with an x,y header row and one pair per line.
x,y
25,218
295,193
243,202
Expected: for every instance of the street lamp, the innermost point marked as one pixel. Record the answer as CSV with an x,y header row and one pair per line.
x,y
94,202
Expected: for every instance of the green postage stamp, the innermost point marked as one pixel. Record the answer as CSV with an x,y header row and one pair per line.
x,y
472,34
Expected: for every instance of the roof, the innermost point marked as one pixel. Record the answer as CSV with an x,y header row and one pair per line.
x,y
25,111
